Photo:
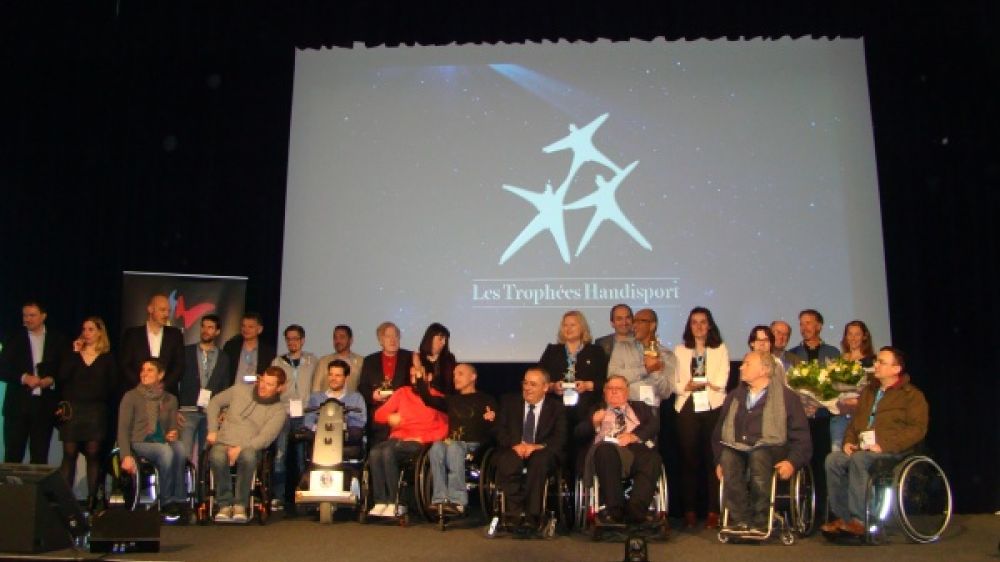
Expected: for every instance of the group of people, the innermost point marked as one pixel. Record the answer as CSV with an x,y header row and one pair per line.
x,y
591,406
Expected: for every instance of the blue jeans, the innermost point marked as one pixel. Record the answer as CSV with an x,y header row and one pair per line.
x,y
194,431
383,463
838,427
447,460
169,459
747,476
246,463
847,480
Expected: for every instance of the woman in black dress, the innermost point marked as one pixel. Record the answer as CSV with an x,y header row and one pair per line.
x,y
87,381
437,358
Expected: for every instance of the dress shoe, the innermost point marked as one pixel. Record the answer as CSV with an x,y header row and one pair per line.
x,y
690,520
853,527
712,520
833,527
609,517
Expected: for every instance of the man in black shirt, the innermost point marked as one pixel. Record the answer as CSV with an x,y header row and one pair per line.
x,y
470,426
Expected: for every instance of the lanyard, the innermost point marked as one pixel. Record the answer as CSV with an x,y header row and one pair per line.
x,y
571,363
878,397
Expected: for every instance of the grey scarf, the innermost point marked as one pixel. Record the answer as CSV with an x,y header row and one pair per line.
x,y
153,395
774,430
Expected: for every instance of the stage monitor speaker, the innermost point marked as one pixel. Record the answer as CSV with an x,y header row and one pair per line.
x,y
37,510
120,530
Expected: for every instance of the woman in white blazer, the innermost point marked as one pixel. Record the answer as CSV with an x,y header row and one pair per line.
x,y
702,374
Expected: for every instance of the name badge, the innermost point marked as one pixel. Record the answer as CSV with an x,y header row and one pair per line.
x,y
701,403
249,379
204,395
295,408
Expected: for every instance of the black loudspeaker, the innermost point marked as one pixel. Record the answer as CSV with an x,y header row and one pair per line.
x,y
120,530
37,510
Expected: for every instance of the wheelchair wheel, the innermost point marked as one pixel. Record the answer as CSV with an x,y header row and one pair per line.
x,y
364,499
488,485
582,505
923,499
565,498
803,502
423,486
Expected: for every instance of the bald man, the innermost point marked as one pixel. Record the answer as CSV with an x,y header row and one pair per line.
x,y
155,339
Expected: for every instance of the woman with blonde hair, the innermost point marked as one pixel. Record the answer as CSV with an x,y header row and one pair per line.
x,y
87,381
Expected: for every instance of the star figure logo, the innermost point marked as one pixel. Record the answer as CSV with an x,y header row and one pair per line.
x,y
550,204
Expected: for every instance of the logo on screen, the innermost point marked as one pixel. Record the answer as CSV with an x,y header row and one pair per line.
x,y
551,204
188,316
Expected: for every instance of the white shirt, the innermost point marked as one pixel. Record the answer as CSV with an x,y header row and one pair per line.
x,y
37,342
538,416
155,341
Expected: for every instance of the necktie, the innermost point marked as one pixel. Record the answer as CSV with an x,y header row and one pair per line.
x,y
528,433
619,422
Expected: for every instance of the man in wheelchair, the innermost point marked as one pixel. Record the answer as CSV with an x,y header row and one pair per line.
x,y
531,438
891,419
762,428
623,433
147,427
254,418
470,425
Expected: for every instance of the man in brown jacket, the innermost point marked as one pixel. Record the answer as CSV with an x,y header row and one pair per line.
x,y
891,419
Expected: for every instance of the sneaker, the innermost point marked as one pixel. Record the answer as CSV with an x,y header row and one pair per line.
x,y
379,510
239,514
400,510
277,505
225,514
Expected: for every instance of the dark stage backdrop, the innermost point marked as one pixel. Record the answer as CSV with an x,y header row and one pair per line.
x,y
153,136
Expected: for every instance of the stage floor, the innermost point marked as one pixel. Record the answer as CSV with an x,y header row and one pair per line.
x,y
303,539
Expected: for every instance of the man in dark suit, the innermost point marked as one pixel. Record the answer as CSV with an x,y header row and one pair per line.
x,y
623,433
206,373
248,355
153,339
29,364
381,373
531,434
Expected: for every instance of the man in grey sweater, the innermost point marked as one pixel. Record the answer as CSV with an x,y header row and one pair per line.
x,y
254,417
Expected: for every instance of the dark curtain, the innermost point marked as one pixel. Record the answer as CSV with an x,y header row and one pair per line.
x,y
154,136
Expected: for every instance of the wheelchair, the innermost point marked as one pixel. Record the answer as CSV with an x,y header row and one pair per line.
x,y
260,489
588,506
139,490
791,511
475,483
557,502
911,493
407,490
333,478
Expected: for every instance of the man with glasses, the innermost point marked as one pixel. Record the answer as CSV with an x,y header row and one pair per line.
x,y
623,433
891,419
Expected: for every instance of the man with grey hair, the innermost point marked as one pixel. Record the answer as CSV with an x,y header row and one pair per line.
x,y
782,334
762,428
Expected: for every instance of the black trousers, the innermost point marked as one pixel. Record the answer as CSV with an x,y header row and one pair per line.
x,y
694,439
33,426
644,471
523,492
819,431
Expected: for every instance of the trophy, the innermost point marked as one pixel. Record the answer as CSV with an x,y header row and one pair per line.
x,y
570,395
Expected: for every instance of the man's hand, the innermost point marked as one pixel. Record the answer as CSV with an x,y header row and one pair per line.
x,y
395,419
489,415
233,453
598,417
875,448
524,450
128,464
29,380
626,439
180,419
210,438
584,386
377,396
718,471
171,436
785,469
652,363
849,448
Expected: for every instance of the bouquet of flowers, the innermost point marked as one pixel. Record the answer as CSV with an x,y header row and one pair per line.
x,y
822,385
